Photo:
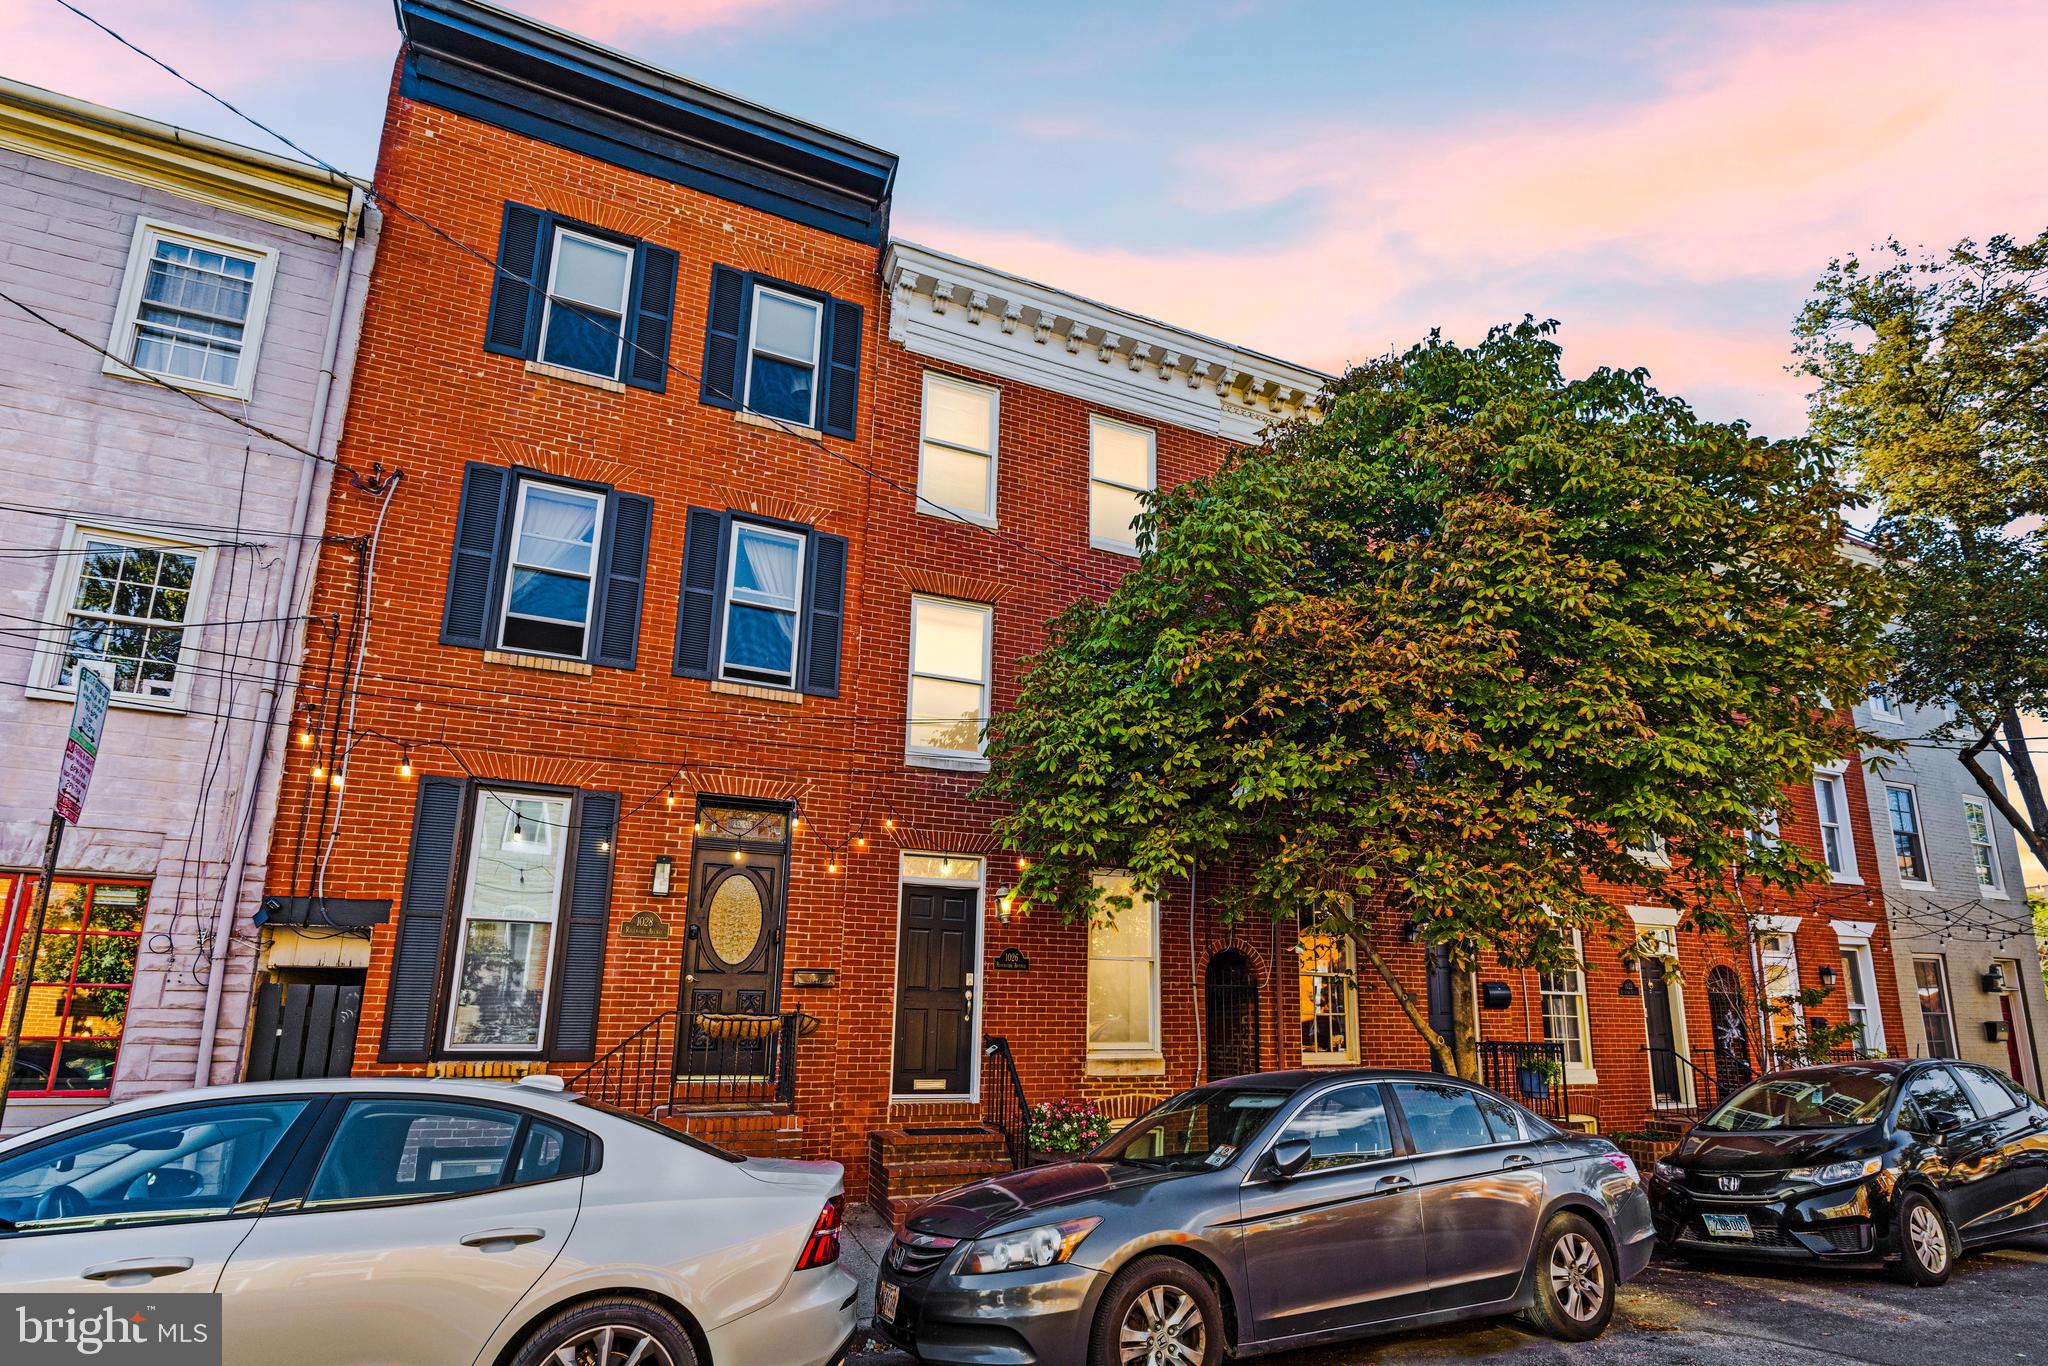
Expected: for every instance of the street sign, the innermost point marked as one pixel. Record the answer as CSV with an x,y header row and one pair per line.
x,y
82,746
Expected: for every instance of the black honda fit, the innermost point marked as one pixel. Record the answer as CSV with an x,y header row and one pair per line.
x,y
1907,1163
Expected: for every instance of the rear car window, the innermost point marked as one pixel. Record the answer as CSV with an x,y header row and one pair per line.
x,y
1991,1097
1442,1118
675,1135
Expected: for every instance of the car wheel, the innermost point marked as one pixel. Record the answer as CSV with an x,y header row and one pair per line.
x,y
1158,1312
1927,1246
1575,1287
609,1333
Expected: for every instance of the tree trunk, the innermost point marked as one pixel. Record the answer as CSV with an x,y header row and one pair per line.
x,y
1465,1026
2031,823
1457,1055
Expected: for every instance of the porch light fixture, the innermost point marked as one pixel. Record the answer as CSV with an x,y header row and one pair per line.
x,y
1410,932
664,869
1004,895
1827,976
1994,980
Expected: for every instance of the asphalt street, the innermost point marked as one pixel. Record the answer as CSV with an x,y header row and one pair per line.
x,y
1995,1309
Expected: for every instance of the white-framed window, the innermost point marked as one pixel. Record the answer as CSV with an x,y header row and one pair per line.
x,y
1329,996
505,933
1563,997
1123,972
551,580
130,601
1837,842
956,466
949,673
1778,956
1983,847
1122,466
583,321
1859,996
763,594
1763,830
1930,981
1909,846
1653,851
1883,707
191,309
782,356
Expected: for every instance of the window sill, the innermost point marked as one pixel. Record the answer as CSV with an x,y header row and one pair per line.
x,y
1913,885
1123,548
544,663
758,692
950,763
1847,880
1993,894
777,425
583,377
124,701
926,507
1126,1065
1580,1076
1327,1060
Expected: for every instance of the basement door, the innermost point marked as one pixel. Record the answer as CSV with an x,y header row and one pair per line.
x,y
936,950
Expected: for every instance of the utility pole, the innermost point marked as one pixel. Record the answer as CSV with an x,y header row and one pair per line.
x,y
81,751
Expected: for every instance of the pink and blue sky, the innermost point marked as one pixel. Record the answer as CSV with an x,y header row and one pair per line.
x,y
1317,180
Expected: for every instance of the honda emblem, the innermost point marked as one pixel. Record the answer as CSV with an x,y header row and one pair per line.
x,y
1730,1183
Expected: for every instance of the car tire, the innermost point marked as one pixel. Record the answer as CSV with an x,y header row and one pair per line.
x,y
1160,1295
629,1322
1575,1282
1927,1242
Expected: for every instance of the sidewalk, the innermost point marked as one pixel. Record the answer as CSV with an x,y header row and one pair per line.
x,y
861,1247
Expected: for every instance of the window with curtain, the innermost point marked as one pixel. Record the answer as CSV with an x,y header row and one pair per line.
x,y
1564,1010
1328,995
553,582
1907,845
1831,804
584,319
957,461
510,904
191,310
782,357
1977,824
1123,971
1859,996
1930,980
949,662
762,597
1121,468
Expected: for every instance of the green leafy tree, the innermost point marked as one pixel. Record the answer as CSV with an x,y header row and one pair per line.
x,y
1453,654
1931,379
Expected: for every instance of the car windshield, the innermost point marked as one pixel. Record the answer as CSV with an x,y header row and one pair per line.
x,y
1203,1128
1838,1098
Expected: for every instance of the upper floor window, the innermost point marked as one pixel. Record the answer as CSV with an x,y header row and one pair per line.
x,y
949,670
781,351
762,603
956,468
127,602
1907,845
583,318
580,298
1653,851
1122,467
547,567
191,310
1977,824
1882,705
1837,847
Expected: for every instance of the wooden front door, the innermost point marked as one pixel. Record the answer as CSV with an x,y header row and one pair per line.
x,y
1665,1084
732,961
936,952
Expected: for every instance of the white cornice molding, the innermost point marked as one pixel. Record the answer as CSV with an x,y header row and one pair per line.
x,y
941,307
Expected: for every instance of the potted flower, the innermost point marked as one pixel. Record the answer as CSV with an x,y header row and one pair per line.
x,y
1062,1130
1536,1076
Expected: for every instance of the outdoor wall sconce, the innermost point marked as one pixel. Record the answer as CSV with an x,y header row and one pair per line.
x,y
1994,980
664,869
1004,897
1629,987
1827,976
1410,932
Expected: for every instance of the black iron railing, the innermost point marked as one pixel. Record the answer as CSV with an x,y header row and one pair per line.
x,y
1531,1074
1679,1086
1003,1106
725,1060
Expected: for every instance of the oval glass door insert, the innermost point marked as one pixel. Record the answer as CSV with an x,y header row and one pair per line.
x,y
733,924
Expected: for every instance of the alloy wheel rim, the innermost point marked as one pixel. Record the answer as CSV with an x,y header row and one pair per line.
x,y
1930,1241
1163,1327
1577,1278
612,1345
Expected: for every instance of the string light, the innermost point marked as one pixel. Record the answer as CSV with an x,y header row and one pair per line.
x,y
739,856
888,823
860,842
832,867
305,738
336,779
319,772
405,764
671,799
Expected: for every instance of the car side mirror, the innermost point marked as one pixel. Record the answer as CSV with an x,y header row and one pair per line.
x,y
1943,1121
1290,1157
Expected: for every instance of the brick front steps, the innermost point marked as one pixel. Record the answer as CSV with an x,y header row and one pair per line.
x,y
909,1165
754,1131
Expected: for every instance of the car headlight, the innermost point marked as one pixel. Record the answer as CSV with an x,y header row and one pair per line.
x,y
1046,1245
1667,1172
1834,1173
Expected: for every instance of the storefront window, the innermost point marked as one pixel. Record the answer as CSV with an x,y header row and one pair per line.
x,y
78,989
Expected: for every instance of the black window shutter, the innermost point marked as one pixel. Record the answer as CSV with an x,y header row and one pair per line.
x,y
703,585
473,569
625,581
842,370
409,1008
654,303
723,334
590,909
518,283
824,614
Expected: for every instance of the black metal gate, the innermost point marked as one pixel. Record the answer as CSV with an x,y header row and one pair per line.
x,y
303,1030
1231,1015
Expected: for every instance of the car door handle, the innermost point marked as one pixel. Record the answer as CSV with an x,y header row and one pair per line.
x,y
1393,1183
151,1267
510,1237
1518,1160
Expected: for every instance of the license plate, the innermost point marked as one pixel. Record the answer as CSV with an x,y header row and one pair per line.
x,y
1728,1225
886,1296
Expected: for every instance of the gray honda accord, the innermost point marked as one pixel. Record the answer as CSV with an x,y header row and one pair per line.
x,y
1270,1212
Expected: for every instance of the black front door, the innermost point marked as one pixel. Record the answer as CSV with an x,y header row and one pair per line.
x,y
935,958
1732,1067
1664,1082
1442,1014
1230,1015
732,962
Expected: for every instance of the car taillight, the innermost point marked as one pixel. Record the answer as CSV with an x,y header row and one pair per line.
x,y
822,1247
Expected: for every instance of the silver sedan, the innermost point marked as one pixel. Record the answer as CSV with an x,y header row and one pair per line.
x,y
360,1222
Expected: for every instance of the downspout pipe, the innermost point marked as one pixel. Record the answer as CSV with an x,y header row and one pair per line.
x,y
309,507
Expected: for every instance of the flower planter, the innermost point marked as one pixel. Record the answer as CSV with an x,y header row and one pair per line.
x,y
1533,1082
